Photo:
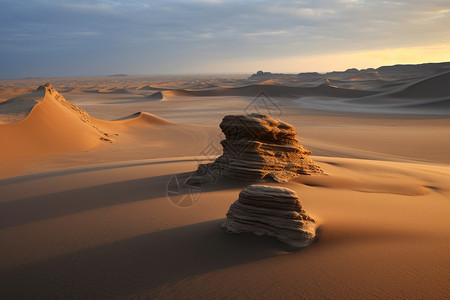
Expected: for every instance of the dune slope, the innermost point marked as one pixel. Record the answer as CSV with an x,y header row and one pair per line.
x,y
437,86
324,89
51,125
388,235
16,109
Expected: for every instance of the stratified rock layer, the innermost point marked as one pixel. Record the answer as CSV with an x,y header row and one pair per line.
x,y
272,211
258,146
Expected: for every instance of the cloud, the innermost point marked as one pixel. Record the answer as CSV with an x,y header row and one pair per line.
x,y
169,36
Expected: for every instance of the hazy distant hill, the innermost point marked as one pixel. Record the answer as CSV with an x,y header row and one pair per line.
x,y
386,72
117,75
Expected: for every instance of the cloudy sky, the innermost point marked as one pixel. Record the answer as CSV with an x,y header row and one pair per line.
x,y
97,37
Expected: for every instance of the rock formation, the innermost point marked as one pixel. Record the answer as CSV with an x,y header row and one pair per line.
x,y
272,211
257,146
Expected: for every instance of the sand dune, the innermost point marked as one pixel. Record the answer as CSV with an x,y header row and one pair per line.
x,y
115,91
324,89
150,88
437,105
52,123
105,244
156,96
14,91
139,98
16,109
366,76
144,116
43,123
81,217
437,86
427,96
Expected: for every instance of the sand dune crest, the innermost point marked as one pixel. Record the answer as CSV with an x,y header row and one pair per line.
x,y
437,86
53,125
324,89
145,117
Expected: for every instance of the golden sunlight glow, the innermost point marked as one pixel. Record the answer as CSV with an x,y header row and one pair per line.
x,y
370,59
341,61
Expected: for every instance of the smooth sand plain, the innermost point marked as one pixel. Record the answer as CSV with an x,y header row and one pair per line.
x,y
84,211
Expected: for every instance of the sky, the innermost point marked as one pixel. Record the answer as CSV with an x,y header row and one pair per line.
x,y
50,38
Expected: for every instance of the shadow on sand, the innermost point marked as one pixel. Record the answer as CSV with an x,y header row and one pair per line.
x,y
138,264
42,207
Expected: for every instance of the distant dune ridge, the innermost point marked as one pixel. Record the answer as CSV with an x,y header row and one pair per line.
x,y
391,72
16,109
156,96
324,89
437,86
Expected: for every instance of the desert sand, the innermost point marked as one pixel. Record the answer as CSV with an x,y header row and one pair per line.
x,y
87,164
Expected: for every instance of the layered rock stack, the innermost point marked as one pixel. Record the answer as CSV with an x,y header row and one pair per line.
x,y
258,146
272,211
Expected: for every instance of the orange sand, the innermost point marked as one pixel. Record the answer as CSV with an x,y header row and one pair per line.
x,y
83,217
